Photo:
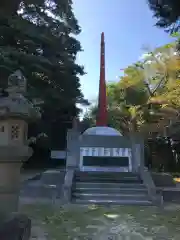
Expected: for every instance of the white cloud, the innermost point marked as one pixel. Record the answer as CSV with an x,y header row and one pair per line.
x,y
144,56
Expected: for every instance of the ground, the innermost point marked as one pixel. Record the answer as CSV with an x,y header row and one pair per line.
x,y
52,221
91,222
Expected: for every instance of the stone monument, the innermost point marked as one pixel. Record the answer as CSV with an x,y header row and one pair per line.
x,y
15,113
101,154
103,148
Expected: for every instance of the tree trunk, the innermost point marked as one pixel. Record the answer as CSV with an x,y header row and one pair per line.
x,y
134,125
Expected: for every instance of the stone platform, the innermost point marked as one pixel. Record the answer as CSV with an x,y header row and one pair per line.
x,y
109,188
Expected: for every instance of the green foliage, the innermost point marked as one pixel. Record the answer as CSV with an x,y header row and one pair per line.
x,y
39,38
175,34
39,41
146,99
167,13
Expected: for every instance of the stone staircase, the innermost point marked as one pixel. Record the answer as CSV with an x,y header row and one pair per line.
x,y
109,188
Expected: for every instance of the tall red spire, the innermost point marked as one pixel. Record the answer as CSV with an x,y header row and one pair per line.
x,y
102,104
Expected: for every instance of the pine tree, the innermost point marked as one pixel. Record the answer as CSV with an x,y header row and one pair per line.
x,y
37,37
167,12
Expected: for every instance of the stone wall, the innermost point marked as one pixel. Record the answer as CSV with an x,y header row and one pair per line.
x,y
75,141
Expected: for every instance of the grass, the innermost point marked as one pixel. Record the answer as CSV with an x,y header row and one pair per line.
x,y
76,222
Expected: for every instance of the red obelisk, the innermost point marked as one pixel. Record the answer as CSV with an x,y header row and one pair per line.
x,y
102,103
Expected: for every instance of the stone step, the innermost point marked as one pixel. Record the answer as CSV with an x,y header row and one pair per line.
x,y
101,174
107,177
109,174
104,196
113,202
108,185
110,190
108,180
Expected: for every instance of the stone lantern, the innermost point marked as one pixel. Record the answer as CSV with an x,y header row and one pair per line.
x,y
15,113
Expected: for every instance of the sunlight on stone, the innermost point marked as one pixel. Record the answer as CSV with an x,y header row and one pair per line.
x,y
92,207
177,180
123,228
130,217
159,229
111,216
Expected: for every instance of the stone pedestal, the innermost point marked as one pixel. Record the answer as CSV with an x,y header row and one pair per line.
x,y
15,113
11,159
137,151
73,149
72,162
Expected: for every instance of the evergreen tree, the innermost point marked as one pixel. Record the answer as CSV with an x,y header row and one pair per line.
x,y
167,12
38,37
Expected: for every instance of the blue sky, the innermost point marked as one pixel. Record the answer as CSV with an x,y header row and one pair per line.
x,y
127,27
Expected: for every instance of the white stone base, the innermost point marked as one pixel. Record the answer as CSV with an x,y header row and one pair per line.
x,y
104,169
99,152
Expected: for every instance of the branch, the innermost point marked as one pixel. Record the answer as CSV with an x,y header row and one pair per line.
x,y
160,82
145,83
